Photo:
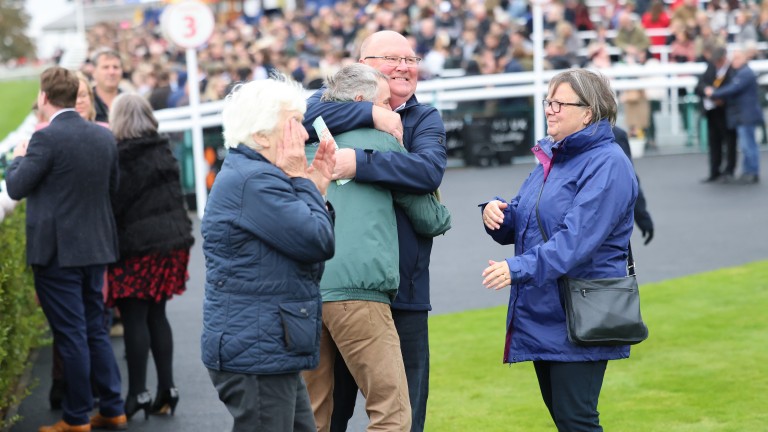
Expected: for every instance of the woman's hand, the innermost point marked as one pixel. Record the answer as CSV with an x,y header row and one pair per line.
x,y
321,171
493,214
496,275
290,151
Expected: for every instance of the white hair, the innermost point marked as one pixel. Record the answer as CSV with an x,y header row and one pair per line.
x,y
255,107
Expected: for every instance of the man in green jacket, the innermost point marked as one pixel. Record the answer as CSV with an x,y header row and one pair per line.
x,y
361,280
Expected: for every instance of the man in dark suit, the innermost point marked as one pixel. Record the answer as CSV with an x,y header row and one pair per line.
x,y
719,135
642,217
67,173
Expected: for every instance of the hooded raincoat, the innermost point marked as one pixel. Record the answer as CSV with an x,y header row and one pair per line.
x,y
587,191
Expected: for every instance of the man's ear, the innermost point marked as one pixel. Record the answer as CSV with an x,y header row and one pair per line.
x,y
359,98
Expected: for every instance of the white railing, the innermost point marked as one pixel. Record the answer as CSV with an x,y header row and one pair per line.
x,y
446,93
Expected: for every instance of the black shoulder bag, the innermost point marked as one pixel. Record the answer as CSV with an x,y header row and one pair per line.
x,y
602,311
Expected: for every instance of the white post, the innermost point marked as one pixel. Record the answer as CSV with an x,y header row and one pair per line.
x,y
80,20
538,68
201,191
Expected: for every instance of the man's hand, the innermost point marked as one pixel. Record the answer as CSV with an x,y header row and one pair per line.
x,y
388,121
321,170
21,149
346,164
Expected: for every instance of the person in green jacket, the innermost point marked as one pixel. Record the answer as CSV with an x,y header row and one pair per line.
x,y
362,278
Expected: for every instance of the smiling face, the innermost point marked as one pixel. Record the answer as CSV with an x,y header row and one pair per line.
x,y
402,79
571,118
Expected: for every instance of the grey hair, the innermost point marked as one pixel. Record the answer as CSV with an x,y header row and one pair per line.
x,y
104,52
356,79
255,107
131,116
593,90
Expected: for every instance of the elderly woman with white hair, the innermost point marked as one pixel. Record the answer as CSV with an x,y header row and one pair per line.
x,y
266,235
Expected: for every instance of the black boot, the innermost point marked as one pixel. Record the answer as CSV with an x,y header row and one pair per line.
x,y
134,403
166,401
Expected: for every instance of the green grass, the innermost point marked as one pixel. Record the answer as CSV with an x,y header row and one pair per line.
x,y
17,98
704,367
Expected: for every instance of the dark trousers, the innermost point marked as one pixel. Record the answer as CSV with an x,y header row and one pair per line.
x,y
412,328
571,391
265,403
73,303
146,327
719,136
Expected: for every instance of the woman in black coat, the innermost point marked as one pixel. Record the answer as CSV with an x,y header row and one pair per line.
x,y
155,235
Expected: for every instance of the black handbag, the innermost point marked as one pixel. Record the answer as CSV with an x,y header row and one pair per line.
x,y
600,312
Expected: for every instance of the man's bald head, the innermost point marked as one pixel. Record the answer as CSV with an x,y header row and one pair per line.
x,y
372,44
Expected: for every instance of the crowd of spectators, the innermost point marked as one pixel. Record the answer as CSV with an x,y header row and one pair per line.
x,y
473,36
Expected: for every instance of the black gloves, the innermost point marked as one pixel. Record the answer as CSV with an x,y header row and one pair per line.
x,y
646,227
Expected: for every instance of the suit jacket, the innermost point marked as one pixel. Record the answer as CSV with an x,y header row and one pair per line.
x,y
67,176
742,96
707,79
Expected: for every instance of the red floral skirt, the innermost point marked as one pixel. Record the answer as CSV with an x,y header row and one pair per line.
x,y
155,277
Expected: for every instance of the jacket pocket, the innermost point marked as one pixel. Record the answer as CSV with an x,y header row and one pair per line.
x,y
300,326
211,347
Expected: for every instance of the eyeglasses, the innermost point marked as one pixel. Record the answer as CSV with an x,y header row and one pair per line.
x,y
395,61
557,106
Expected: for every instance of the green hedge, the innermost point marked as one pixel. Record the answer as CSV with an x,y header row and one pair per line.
x,y
22,323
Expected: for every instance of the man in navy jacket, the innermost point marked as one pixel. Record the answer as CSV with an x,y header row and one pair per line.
x,y
67,173
743,113
419,171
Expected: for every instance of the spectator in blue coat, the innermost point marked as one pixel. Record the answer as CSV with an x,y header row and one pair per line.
x,y
581,197
419,171
743,113
266,235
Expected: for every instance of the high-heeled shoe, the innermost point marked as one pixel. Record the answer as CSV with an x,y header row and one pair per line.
x,y
166,401
134,403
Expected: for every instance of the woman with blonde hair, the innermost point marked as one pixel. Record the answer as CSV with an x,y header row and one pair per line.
x,y
155,236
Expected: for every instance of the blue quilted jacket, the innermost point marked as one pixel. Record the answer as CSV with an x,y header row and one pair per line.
x,y
586,209
265,239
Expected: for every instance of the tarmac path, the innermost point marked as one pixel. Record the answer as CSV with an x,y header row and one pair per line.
x,y
698,227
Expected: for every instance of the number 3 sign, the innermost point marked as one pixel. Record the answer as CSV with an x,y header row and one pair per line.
x,y
188,24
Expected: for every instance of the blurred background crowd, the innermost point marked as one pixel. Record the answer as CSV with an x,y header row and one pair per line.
x,y
454,37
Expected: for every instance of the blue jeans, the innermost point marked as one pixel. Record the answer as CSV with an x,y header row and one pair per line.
x,y
413,330
748,146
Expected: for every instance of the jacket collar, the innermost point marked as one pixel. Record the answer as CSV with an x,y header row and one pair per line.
x,y
249,153
412,101
583,140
